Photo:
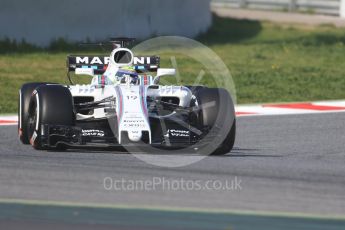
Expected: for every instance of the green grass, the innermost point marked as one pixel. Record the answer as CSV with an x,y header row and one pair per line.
x,y
268,62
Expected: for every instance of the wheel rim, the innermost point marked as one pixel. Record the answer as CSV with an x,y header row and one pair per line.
x,y
32,120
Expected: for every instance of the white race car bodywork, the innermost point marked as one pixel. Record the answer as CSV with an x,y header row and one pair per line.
x,y
125,108
130,100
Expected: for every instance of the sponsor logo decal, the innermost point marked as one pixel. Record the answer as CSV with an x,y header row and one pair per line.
x,y
93,133
178,133
93,60
131,123
142,60
106,60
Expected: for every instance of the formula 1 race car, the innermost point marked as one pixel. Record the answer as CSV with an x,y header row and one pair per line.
x,y
125,106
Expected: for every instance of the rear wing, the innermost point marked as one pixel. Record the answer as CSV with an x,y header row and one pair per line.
x,y
100,63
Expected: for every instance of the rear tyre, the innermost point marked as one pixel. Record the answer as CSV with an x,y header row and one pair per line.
x,y
49,105
217,114
25,93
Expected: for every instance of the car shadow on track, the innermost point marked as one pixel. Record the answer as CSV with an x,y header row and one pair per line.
x,y
242,152
236,152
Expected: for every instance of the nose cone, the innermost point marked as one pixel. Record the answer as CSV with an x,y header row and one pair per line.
x,y
134,136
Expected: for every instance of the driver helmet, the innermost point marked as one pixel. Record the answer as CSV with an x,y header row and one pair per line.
x,y
127,71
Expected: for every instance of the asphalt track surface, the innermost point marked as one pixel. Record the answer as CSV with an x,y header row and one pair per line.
x,y
286,164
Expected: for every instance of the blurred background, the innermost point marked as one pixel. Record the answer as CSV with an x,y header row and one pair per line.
x,y
41,22
291,51
327,7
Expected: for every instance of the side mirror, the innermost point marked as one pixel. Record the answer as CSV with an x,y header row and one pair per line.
x,y
163,72
84,71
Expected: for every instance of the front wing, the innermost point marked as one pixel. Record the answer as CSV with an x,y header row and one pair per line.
x,y
99,134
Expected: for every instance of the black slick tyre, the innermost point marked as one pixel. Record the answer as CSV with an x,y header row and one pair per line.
x,y
49,105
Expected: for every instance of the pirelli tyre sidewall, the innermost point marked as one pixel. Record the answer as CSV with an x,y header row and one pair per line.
x,y
49,105
25,93
217,114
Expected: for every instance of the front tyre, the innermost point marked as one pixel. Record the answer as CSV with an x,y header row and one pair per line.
x,y
25,93
49,105
217,114
228,142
